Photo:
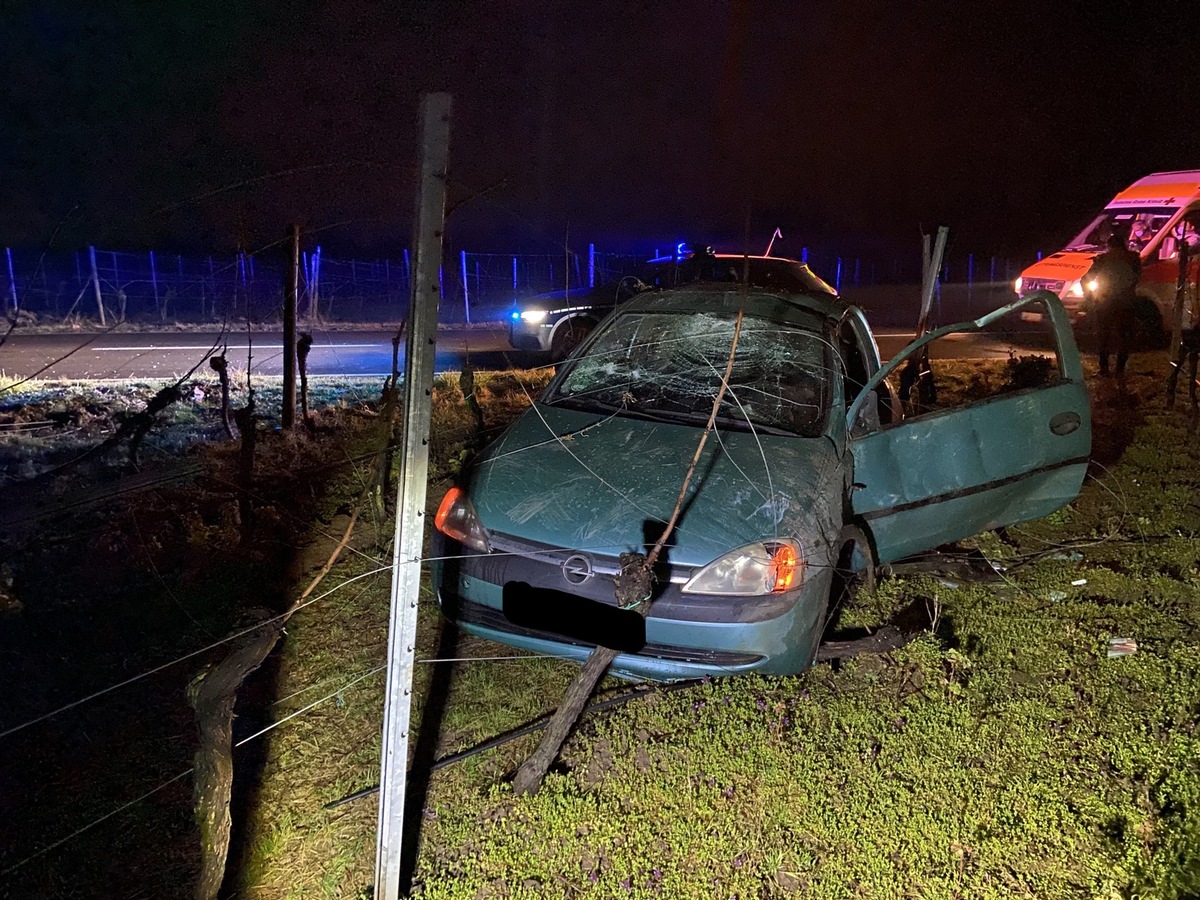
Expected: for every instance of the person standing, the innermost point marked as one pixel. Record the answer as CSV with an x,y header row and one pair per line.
x,y
1112,283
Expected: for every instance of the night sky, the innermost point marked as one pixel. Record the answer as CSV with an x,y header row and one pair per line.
x,y
630,123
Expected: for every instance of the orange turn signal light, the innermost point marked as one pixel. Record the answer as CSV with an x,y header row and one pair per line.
x,y
785,563
447,505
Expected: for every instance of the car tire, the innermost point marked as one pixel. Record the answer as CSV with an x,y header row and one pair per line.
x,y
854,569
568,336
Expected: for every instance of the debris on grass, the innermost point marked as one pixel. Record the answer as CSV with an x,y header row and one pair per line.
x,y
1121,646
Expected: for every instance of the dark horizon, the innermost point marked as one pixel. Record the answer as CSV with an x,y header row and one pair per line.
x,y
212,127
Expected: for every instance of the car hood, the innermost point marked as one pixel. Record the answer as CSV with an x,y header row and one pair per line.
x,y
590,481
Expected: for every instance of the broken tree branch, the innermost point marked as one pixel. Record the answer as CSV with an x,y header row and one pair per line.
x,y
634,589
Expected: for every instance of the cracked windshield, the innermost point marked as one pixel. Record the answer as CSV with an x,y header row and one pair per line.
x,y
669,366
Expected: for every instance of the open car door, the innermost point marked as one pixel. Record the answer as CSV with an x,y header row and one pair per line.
x,y
946,474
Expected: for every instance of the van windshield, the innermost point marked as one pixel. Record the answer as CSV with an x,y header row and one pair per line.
x,y
1140,226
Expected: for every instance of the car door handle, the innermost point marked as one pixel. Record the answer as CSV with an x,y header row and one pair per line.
x,y
1065,422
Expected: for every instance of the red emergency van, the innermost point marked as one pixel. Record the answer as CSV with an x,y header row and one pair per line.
x,y
1154,213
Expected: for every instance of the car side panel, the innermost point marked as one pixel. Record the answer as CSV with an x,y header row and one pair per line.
x,y
947,475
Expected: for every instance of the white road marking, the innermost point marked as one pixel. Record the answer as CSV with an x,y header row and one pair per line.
x,y
155,347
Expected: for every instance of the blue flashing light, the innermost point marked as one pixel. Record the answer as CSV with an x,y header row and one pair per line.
x,y
681,249
515,316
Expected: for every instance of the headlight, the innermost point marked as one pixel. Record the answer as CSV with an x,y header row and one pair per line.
x,y
764,567
1017,284
456,519
534,316
1093,284
1076,288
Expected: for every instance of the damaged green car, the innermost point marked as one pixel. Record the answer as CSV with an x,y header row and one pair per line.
x,y
811,479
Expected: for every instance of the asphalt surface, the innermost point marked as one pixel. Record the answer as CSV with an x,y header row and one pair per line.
x,y
121,356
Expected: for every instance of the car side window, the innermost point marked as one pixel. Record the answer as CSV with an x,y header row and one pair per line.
x,y
854,363
853,356
1022,355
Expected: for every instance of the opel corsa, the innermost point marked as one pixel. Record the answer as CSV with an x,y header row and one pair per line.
x,y
810,479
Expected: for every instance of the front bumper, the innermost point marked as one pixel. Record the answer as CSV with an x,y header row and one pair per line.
x,y
519,595
1077,311
524,336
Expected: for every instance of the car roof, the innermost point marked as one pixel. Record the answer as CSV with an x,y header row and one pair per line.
x,y
650,269
722,297
723,255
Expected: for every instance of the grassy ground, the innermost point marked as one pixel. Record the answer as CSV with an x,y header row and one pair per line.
x,y
1003,754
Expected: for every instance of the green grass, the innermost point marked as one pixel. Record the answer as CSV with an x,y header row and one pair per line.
x,y
1005,755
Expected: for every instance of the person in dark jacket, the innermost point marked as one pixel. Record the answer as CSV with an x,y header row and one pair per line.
x,y
1112,283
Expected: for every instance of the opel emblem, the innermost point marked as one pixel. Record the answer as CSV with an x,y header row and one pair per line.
x,y
577,569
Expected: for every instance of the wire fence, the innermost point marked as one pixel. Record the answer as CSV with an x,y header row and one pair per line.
x,y
155,286
109,285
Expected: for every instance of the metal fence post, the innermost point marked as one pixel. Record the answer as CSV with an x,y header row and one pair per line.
x,y
12,281
591,265
162,312
410,502
96,284
291,296
314,299
466,292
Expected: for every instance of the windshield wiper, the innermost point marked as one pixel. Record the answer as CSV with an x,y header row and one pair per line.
x,y
588,404
733,423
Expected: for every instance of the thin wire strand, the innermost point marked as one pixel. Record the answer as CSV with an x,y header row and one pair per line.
x,y
104,818
184,774
187,656
571,453
304,709
461,659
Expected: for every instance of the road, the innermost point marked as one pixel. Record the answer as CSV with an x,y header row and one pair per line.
x,y
120,356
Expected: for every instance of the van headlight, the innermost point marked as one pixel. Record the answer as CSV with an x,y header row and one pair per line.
x,y
1017,284
1076,288
534,316
764,567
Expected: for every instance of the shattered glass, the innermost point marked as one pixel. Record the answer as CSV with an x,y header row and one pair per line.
x,y
669,365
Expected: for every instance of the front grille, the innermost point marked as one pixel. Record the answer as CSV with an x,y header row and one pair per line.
x,y
485,616
541,566
1029,285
